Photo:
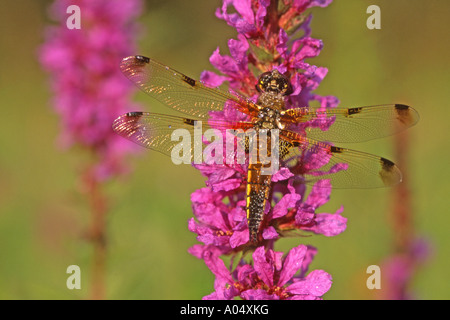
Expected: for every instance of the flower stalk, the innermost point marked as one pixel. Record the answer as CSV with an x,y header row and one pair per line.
x,y
410,250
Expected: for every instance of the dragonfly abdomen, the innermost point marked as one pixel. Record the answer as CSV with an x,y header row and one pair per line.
x,y
258,189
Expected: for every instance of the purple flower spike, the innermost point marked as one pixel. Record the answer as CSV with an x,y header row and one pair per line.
x,y
89,92
265,42
89,89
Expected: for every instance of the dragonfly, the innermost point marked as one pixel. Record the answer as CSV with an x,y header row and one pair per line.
x,y
296,137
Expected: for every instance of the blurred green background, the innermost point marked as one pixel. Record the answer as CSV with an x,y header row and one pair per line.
x,y
42,215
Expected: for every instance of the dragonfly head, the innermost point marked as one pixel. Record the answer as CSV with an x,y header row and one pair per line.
x,y
274,81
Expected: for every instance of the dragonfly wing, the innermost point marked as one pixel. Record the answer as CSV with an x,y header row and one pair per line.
x,y
179,91
161,132
355,124
345,168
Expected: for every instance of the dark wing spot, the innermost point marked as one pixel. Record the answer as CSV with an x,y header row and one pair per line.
x,y
189,81
401,107
189,121
404,115
386,164
128,124
142,59
334,149
134,114
389,173
351,111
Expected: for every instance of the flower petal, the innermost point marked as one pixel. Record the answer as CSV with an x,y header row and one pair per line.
x,y
261,12
263,268
317,283
292,263
320,194
238,50
330,224
282,174
217,266
269,233
288,201
244,7
224,64
239,238
212,79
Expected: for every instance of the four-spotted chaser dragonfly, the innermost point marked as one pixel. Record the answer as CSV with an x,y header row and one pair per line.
x,y
296,139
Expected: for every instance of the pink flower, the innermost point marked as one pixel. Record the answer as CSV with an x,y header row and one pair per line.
x,y
249,19
216,223
89,89
271,277
290,213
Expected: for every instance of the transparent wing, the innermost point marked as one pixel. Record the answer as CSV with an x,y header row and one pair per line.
x,y
179,91
354,124
345,168
163,133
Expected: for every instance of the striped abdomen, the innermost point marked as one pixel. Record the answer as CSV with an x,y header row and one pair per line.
x,y
258,189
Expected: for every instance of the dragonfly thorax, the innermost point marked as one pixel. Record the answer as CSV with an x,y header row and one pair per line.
x,y
268,119
271,100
